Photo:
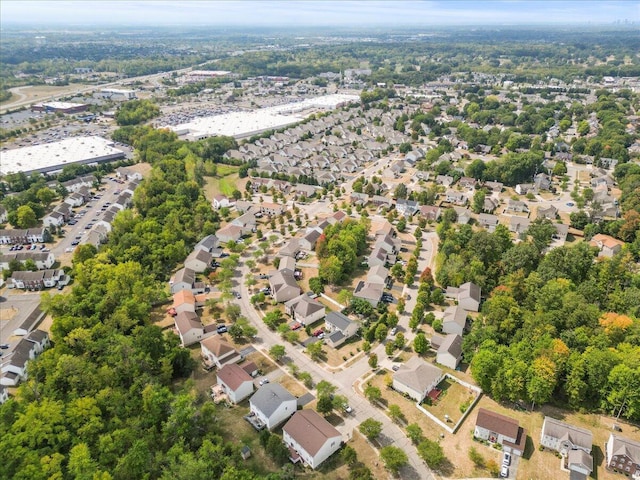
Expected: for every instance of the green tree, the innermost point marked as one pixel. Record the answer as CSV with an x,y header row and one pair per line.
x,y
277,352
315,351
373,394
25,217
414,432
395,413
324,404
316,285
370,428
431,452
420,344
478,201
394,458
373,361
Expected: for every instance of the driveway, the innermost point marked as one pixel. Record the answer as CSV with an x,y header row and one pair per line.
x,y
362,409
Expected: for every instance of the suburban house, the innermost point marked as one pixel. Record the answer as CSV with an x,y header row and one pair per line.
x,y
378,256
517,206
378,274
449,352
623,456
220,201
308,242
216,352
284,286
210,244
185,279
524,188
13,236
37,280
304,309
408,208
518,225
272,404
43,260
4,394
198,260
496,428
184,301
416,378
488,221
247,222
229,233
573,443
490,204
236,383
189,328
606,244
549,212
456,198
445,180
454,320
269,208
28,348
369,291
287,263
495,187
341,328
430,213
463,215
467,296
561,232
291,249
310,438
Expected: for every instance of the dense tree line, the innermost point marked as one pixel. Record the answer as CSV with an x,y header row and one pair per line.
x,y
135,112
557,325
339,247
106,401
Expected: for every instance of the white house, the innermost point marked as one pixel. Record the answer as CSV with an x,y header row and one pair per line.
x,y
449,352
500,429
185,279
305,309
217,352
340,327
220,201
272,404
310,438
4,394
454,320
416,378
468,296
15,370
189,328
236,383
563,437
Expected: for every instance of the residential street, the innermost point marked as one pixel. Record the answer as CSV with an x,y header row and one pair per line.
x,y
391,433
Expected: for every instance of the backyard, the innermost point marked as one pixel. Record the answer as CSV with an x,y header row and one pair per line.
x,y
224,182
450,402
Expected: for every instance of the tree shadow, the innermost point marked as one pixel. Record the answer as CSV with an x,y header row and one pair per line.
x,y
446,468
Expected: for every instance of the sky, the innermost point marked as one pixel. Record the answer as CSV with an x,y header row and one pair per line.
x,y
317,12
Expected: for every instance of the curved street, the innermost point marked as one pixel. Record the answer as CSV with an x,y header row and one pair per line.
x,y
344,380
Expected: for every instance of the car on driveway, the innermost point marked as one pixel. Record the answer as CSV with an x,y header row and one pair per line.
x,y
263,381
506,459
4,346
296,326
504,473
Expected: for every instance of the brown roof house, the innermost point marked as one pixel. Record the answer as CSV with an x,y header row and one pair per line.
x,y
573,443
216,352
311,439
623,456
198,260
496,428
236,382
607,245
417,378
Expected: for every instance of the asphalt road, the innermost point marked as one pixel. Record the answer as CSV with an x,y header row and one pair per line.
x,y
344,380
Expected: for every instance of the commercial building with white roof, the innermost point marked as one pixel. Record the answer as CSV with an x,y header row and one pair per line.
x,y
245,124
54,156
64,107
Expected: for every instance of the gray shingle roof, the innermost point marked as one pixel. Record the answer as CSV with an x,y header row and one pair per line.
x,y
269,397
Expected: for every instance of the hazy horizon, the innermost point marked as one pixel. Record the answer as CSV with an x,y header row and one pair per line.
x,y
314,13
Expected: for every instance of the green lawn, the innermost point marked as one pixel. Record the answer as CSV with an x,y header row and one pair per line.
x,y
225,182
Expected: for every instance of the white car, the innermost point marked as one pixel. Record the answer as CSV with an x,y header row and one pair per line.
x,y
504,473
506,459
263,381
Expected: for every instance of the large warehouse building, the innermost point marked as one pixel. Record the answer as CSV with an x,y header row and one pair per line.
x,y
52,157
63,107
246,124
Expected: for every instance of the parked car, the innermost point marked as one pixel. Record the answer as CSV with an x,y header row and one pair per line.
x,y
238,296
222,329
506,459
394,330
395,368
4,346
263,381
75,242
347,408
296,326
504,473
318,332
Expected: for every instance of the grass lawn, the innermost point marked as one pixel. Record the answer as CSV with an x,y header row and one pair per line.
x,y
344,353
452,397
225,182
